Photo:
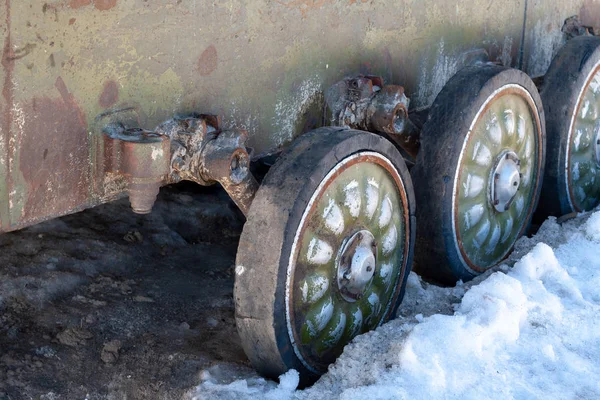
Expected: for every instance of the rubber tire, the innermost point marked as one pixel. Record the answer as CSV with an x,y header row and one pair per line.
x,y
449,120
564,80
266,241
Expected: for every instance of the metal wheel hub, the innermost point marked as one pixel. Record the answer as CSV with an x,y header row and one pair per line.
x,y
356,265
505,180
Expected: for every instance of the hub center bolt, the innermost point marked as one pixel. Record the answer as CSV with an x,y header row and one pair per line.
x,y
356,264
505,180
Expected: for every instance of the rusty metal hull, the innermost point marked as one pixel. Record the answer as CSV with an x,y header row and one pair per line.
x,y
69,67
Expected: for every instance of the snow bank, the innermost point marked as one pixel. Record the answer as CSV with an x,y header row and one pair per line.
x,y
530,331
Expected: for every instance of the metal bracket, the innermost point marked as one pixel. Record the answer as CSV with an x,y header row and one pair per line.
x,y
190,148
366,103
573,27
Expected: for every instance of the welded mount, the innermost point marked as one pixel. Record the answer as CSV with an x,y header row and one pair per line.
x,y
191,148
366,103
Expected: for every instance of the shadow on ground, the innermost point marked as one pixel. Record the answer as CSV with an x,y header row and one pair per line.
x,y
107,304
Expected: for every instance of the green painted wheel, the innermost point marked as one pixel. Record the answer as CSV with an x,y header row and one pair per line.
x,y
348,258
571,95
583,151
496,177
479,170
326,250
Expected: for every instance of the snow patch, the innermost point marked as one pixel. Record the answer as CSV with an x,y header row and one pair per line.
x,y
592,227
530,331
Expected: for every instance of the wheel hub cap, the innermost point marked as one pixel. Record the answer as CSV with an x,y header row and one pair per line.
x,y
505,180
356,265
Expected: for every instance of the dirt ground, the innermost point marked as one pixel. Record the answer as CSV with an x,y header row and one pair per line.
x,y
106,304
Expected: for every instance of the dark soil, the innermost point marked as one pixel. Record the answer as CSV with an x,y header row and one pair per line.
x,y
106,304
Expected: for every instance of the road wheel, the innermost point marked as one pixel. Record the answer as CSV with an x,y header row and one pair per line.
x,y
478,173
325,252
571,96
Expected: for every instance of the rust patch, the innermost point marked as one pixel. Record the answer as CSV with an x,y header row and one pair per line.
x,y
101,5
305,5
72,21
208,61
104,5
79,3
54,156
110,94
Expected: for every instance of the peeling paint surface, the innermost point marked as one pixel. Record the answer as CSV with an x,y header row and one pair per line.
x,y
544,45
432,80
543,36
208,61
262,65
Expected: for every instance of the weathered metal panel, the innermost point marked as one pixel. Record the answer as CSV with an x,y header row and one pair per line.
x,y
71,66
543,36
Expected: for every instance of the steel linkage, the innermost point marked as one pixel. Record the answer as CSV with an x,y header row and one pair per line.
x,y
366,103
192,148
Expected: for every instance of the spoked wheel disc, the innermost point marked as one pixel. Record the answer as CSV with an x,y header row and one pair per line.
x,y
571,96
326,251
479,172
583,150
493,190
347,257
